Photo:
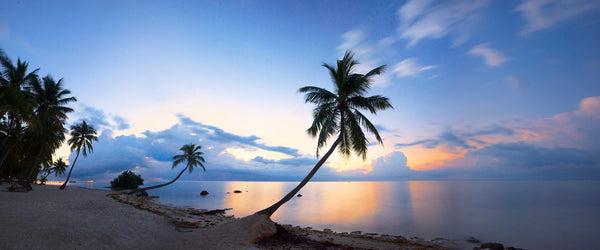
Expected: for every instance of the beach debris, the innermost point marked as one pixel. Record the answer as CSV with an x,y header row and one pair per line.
x,y
141,193
372,234
472,240
299,195
208,212
237,191
204,192
491,246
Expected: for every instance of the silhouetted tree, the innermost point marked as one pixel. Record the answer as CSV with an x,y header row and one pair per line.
x,y
16,104
191,154
337,114
82,136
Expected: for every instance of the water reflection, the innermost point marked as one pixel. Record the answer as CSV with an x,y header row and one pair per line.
x,y
331,203
527,214
254,197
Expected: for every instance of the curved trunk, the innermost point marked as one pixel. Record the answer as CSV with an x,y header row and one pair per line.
x,y
270,210
64,185
161,185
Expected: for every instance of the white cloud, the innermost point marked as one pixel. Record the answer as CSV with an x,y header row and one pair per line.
x,y
545,14
369,55
351,39
515,82
490,56
423,19
410,68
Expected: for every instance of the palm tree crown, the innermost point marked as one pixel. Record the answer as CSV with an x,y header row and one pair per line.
x,y
339,112
60,167
82,136
191,154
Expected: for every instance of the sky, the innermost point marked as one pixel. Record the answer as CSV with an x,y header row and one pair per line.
x,y
480,89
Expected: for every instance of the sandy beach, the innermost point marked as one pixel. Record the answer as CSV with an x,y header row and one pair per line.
x,y
80,218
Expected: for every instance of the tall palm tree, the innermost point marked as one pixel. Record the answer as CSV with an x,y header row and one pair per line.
x,y
338,114
82,136
191,154
48,127
16,104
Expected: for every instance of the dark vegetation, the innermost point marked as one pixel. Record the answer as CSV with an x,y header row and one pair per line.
x,y
33,113
127,180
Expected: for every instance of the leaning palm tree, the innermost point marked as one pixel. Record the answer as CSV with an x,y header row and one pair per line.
x,y
81,139
191,154
338,114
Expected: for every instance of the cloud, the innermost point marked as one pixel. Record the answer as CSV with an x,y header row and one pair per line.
x,y
410,68
490,56
100,120
122,124
389,167
428,19
545,14
295,162
351,39
150,154
515,82
217,134
459,140
370,55
565,146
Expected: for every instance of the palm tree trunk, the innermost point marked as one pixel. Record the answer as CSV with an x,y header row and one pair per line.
x,y
5,154
270,210
157,186
64,185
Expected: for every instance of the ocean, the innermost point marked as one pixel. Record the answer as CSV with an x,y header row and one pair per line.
x,y
525,214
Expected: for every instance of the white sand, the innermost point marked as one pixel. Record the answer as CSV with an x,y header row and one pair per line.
x,y
78,218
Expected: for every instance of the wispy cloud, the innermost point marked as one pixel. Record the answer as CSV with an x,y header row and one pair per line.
x,y
490,56
410,68
370,55
429,19
544,14
515,82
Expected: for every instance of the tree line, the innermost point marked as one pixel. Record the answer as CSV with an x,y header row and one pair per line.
x,y
33,115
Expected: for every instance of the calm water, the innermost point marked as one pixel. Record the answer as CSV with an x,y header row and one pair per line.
x,y
527,214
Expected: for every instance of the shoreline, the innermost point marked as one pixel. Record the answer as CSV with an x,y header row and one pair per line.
x,y
87,217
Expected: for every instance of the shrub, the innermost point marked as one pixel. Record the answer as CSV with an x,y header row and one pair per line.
x,y
127,180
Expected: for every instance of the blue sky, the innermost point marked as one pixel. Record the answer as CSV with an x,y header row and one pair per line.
x,y
481,89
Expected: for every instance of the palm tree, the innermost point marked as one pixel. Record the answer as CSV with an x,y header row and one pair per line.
x,y
47,131
16,104
338,114
82,136
191,154
60,167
